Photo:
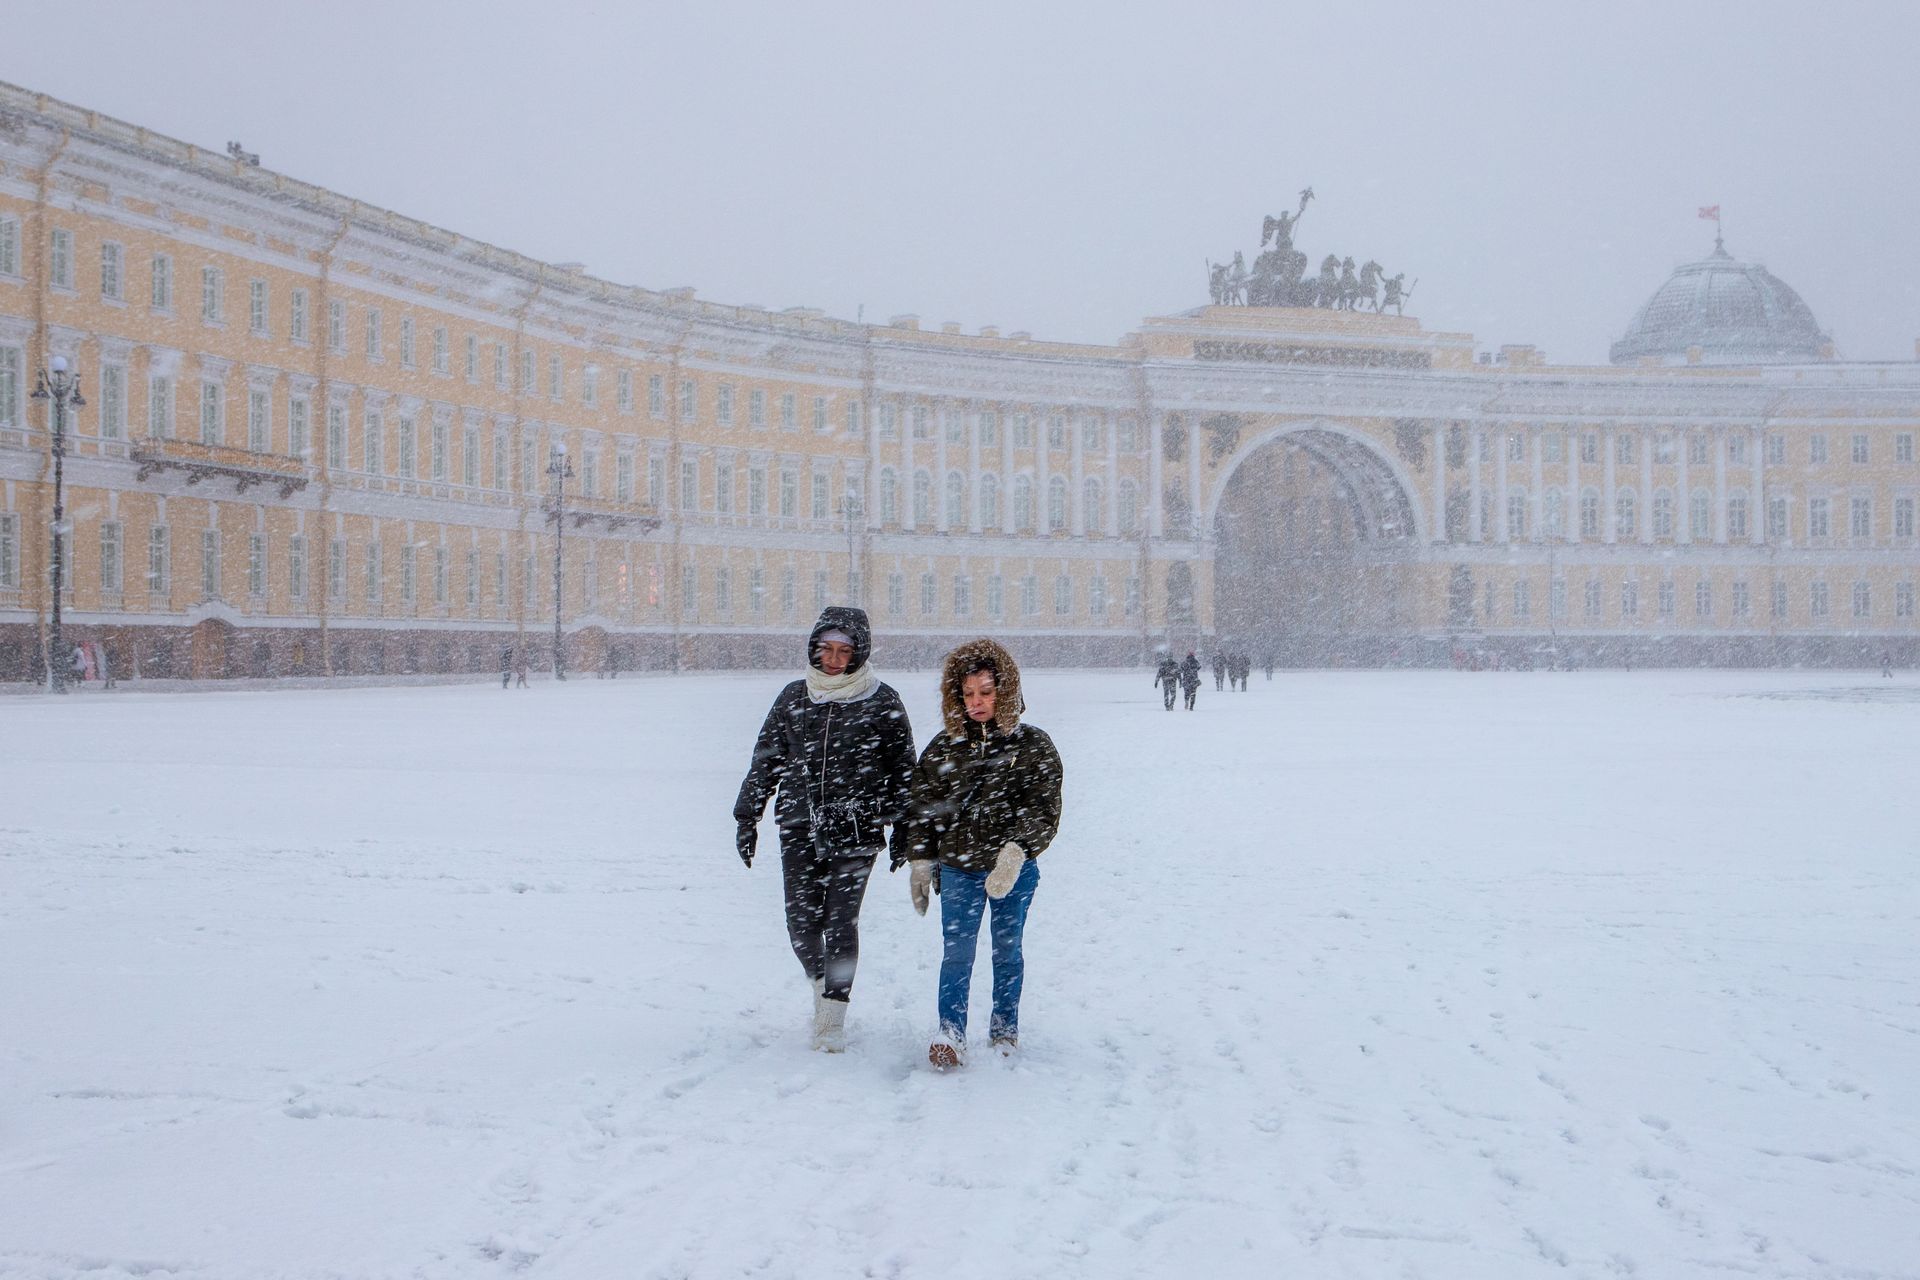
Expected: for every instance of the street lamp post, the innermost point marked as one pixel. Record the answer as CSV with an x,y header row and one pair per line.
x,y
61,386
561,470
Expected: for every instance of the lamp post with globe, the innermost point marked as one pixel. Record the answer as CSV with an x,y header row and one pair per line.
x,y
560,470
60,386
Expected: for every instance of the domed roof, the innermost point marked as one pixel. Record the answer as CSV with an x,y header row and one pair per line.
x,y
1735,312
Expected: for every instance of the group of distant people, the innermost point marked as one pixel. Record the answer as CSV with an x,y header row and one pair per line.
x,y
1229,666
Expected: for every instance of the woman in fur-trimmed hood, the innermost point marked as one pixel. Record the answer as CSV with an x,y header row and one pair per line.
x,y
983,806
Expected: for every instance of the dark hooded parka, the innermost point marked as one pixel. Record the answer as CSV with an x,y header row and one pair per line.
x,y
977,786
852,756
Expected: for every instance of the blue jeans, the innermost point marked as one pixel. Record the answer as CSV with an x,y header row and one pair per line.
x,y
963,900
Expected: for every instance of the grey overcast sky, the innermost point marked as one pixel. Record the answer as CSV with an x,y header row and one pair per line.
x,y
1069,168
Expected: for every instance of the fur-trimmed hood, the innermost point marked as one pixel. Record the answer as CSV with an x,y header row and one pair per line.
x,y
1007,706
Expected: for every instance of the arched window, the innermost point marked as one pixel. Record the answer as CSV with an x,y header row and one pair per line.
x,y
1737,514
1623,509
1129,508
1589,513
889,497
1094,515
1663,513
956,500
1700,515
1554,514
990,501
922,497
1023,503
1056,504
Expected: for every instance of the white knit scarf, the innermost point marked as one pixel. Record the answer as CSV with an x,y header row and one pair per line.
x,y
849,686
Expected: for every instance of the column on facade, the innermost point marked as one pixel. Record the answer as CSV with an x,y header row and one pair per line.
x,y
1609,494
905,419
1042,473
1718,442
1646,488
1502,524
1683,501
1077,486
1570,507
1193,480
1007,473
940,472
1476,442
1110,432
1537,500
872,487
1156,476
1757,504
973,474
1439,482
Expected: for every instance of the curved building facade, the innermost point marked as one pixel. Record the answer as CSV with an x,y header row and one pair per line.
x,y
322,438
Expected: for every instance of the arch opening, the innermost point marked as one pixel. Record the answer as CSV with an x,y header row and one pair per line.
x,y
1315,541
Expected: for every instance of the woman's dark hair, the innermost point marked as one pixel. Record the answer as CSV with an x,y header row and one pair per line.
x,y
973,667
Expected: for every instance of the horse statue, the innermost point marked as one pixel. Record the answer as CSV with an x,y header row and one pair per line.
x,y
1369,294
1327,292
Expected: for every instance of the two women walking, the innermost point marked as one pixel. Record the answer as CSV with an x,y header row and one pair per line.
x,y
970,818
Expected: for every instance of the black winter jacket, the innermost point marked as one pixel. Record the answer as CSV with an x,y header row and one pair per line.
x,y
851,761
972,795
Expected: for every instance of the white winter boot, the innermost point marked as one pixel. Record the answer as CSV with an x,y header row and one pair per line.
x,y
830,1026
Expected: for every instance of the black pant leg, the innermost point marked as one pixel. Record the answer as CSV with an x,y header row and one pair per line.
x,y
804,875
846,889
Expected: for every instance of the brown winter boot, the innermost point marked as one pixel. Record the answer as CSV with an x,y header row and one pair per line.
x,y
943,1056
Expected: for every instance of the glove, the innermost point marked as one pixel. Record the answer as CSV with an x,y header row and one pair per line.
x,y
1006,869
920,885
746,839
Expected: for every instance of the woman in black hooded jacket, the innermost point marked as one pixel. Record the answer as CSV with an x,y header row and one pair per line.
x,y
837,747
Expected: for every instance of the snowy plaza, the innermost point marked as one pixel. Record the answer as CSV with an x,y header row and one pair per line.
x,y
1353,974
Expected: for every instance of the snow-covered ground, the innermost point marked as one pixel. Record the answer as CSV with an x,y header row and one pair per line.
x,y
1375,975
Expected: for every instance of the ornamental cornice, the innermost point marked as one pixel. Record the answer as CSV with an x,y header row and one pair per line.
x,y
164,361
302,384
262,376
213,368
115,350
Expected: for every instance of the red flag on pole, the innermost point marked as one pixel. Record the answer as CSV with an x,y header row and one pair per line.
x,y
1710,211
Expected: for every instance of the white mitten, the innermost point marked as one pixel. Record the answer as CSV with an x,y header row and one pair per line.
x,y
920,884
1006,869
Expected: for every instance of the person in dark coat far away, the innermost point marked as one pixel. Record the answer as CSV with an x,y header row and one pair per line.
x,y
985,805
1167,677
506,665
1190,678
837,746
1219,670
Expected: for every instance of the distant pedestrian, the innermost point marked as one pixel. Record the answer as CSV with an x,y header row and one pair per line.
x,y
1886,664
520,665
1266,661
506,665
1167,677
1219,670
1190,678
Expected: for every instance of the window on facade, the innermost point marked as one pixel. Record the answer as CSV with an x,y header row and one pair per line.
x,y
1779,600
1860,518
962,596
1062,596
372,444
1697,450
160,295
1662,513
1029,596
257,317
210,563
1776,451
1817,600
337,326
1516,516
1862,600
1522,600
159,560
1777,518
1737,450
1742,600
113,272
989,501
1623,450
1737,516
889,497
438,460
556,379
1093,511
1903,600
1703,599
1056,504
590,387
1553,513
989,431
1127,508
110,546
1819,518
1589,513
1097,596
1553,444
259,419
1516,447
1860,450
1629,599
624,392
257,565
372,333
9,246
1816,448
1700,516
1667,598
1623,513
820,423
60,258
212,413
689,400
113,402
1903,447
1023,503
1592,599
441,354
996,596
757,409
1903,517
723,488
756,491
723,404
213,286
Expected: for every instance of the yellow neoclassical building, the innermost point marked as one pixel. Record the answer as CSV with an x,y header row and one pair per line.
x,y
323,438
